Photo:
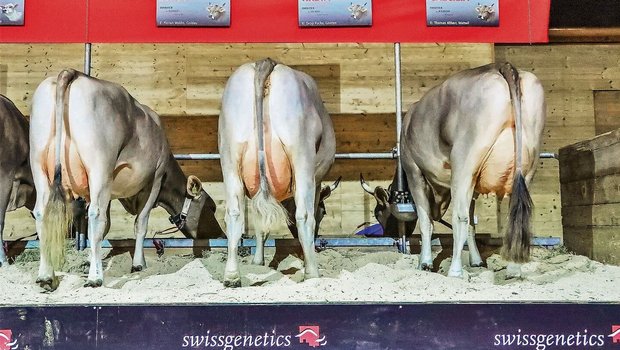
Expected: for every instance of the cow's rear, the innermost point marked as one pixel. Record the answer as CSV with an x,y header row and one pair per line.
x,y
276,142
90,138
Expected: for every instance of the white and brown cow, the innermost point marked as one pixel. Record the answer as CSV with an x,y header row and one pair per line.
x,y
357,11
216,11
485,12
16,185
276,141
478,132
11,12
90,138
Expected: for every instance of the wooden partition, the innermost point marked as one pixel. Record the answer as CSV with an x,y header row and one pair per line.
x,y
590,182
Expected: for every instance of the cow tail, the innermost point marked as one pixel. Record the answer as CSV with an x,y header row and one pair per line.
x,y
516,245
57,219
269,210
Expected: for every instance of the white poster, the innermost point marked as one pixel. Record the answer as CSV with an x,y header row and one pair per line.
x,y
334,13
193,13
464,13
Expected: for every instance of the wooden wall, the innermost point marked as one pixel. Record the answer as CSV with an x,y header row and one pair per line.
x,y
184,83
571,75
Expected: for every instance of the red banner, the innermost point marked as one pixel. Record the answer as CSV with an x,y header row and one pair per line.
x,y
121,21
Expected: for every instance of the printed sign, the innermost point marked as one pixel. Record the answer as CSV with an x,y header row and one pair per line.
x,y
506,326
11,12
464,13
193,13
334,13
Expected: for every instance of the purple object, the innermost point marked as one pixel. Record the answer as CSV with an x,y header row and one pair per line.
x,y
374,230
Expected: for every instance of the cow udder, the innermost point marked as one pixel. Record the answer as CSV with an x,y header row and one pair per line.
x,y
74,175
497,171
278,170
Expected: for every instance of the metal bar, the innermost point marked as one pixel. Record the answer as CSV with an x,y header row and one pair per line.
x,y
87,58
548,155
400,182
320,242
360,155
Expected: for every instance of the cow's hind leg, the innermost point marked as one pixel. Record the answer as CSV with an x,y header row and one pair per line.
x,y
306,193
6,185
259,256
97,226
417,185
141,225
474,255
235,225
462,192
46,278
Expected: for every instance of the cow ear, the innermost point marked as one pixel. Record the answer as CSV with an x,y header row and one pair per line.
x,y
381,195
194,186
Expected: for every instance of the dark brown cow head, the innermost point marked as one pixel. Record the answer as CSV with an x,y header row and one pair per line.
x,y
386,211
200,221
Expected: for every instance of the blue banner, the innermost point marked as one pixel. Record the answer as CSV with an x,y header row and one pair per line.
x,y
465,13
193,13
293,326
334,13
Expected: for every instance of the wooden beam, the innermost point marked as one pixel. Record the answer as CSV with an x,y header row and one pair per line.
x,y
584,35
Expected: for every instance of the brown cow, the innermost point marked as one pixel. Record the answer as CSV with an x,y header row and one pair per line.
x,y
276,141
478,132
16,185
90,138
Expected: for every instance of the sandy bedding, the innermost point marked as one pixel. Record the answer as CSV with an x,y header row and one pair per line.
x,y
348,275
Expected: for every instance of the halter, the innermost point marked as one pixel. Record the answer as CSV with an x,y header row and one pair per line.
x,y
180,219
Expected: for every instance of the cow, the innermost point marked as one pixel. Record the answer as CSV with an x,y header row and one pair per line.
x,y
216,11
11,12
485,12
276,140
16,185
357,11
476,133
90,138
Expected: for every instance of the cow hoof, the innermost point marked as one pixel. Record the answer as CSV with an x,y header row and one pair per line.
x,y
48,284
93,284
426,267
232,284
477,264
136,268
457,274
4,264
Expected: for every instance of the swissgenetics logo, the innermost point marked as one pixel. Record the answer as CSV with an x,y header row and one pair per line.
x,y
311,335
615,334
6,340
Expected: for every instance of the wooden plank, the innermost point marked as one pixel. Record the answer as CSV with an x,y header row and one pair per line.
x,y
579,240
606,245
24,66
598,243
592,215
584,35
590,158
352,78
606,111
598,190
